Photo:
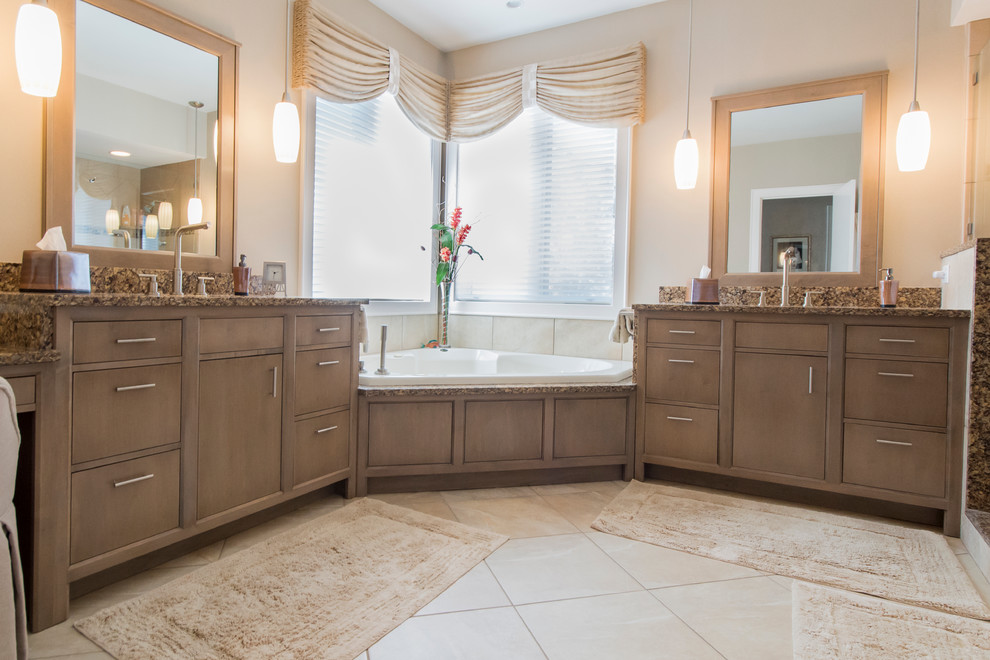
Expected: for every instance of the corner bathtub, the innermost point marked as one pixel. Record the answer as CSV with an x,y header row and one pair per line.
x,y
468,366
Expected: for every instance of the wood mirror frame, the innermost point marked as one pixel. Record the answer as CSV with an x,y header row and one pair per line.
x,y
60,137
873,87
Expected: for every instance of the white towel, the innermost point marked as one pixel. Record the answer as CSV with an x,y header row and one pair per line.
x,y
362,327
624,327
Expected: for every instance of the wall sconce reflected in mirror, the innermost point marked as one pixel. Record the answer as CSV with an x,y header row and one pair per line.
x,y
112,220
38,49
165,215
151,226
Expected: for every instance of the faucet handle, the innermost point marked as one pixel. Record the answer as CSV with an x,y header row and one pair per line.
x,y
152,284
808,302
201,288
762,302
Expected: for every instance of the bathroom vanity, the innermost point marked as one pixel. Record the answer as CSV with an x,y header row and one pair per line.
x,y
864,404
168,417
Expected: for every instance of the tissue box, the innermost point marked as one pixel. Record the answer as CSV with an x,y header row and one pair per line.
x,y
702,291
48,271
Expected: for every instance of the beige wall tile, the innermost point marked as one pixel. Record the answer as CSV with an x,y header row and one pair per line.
x,y
470,331
581,338
522,335
375,323
417,329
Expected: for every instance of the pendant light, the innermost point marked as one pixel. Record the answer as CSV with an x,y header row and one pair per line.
x,y
38,49
151,226
165,215
914,131
194,213
686,152
112,220
285,120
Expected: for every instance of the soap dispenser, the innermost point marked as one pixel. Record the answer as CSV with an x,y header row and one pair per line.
x,y
242,277
888,288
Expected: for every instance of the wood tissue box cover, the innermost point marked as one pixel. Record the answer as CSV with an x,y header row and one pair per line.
x,y
50,271
702,291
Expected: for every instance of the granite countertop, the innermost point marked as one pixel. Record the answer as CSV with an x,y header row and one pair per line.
x,y
48,300
506,388
11,355
898,312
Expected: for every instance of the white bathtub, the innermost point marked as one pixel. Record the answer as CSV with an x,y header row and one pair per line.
x,y
469,366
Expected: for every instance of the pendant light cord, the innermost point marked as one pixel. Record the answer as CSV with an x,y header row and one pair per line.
x,y
917,22
288,46
687,109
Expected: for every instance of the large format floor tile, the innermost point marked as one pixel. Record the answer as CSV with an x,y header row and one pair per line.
x,y
555,567
495,634
516,517
477,590
746,618
630,626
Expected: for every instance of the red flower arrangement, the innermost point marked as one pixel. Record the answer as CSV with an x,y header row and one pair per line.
x,y
451,236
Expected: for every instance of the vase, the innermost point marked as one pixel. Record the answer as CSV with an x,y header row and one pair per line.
x,y
444,340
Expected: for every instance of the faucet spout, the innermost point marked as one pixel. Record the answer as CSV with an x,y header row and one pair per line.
x,y
125,235
785,288
179,233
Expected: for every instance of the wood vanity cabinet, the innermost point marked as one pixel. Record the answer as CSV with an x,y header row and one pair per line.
x,y
868,405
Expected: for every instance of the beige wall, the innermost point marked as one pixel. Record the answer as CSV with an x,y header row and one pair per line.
x,y
739,46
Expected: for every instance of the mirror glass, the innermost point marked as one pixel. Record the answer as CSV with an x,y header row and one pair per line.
x,y
794,182
799,167
146,112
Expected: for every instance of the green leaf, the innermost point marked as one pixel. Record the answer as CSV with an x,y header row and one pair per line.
x,y
473,250
447,241
442,269
439,227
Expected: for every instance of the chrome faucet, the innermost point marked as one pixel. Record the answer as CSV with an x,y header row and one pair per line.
x,y
125,234
785,287
179,233
382,371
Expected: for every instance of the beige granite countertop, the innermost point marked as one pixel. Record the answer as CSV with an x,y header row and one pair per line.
x,y
48,300
507,388
16,356
900,312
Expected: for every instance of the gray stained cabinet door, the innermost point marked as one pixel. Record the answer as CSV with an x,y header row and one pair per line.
x,y
240,438
779,409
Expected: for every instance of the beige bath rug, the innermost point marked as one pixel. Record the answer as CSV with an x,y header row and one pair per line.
x,y
837,624
329,588
908,565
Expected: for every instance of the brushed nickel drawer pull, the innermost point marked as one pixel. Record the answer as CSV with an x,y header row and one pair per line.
x,y
274,382
329,329
128,388
681,361
680,419
326,364
138,340
118,484
898,341
811,375
681,332
895,442
329,428
890,373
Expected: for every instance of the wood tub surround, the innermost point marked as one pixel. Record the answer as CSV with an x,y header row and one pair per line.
x,y
169,418
863,403
445,437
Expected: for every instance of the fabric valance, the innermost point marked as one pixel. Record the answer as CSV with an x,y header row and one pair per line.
x,y
344,65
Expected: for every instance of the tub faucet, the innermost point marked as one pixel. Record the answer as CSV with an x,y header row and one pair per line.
x,y
785,287
382,371
125,234
179,233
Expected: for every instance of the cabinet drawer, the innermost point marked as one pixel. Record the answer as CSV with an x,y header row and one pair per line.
x,y
687,375
323,379
672,331
120,410
783,336
228,335
895,459
115,505
690,434
321,446
893,340
329,329
896,391
23,388
106,341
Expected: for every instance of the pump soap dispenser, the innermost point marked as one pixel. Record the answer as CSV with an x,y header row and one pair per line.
x,y
242,277
888,288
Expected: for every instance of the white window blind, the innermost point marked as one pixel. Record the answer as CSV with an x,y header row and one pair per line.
x,y
541,195
373,203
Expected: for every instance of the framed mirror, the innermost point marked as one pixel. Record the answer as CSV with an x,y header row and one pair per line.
x,y
799,166
143,122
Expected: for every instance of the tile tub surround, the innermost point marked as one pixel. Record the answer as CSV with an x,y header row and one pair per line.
x,y
834,296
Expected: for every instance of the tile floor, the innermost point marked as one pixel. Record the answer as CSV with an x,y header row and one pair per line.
x,y
557,589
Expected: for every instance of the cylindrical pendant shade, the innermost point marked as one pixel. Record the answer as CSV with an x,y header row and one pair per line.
x,y
112,220
914,139
285,132
151,226
165,215
38,50
686,163
194,214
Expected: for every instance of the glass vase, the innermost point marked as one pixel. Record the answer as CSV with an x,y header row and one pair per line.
x,y
444,322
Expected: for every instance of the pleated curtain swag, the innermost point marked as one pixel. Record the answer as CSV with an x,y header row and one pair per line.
x,y
342,64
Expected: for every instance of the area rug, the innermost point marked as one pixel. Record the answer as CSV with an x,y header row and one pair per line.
x,y
329,588
836,624
912,566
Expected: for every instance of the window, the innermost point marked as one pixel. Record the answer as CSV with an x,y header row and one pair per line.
x,y
543,197
373,202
